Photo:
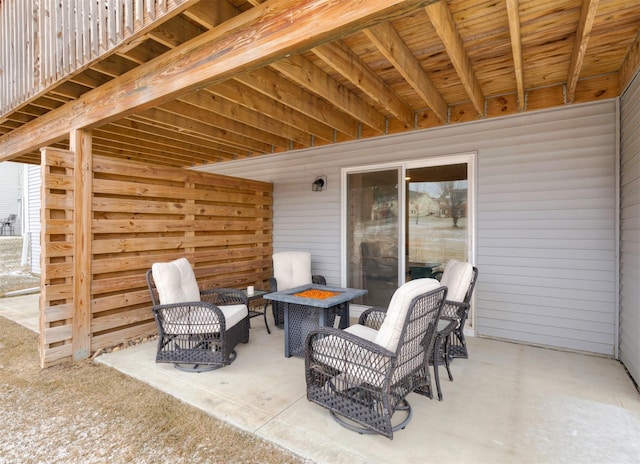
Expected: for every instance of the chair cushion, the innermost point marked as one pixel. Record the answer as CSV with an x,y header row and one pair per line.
x,y
175,282
363,331
457,277
234,314
291,269
202,320
391,329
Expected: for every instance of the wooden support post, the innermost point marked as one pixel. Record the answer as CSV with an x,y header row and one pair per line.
x,y
80,143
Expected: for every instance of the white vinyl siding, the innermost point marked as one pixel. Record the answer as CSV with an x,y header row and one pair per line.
x,y
34,182
546,207
630,229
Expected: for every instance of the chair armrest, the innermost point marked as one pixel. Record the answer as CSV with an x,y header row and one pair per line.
x,y
273,284
454,310
350,360
190,318
224,296
318,280
373,317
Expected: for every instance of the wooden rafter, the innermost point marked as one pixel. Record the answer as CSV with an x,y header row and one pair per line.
x,y
581,41
444,25
341,58
242,95
253,39
274,86
391,45
304,73
516,48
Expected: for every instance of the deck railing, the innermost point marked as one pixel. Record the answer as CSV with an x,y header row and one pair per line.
x,y
44,41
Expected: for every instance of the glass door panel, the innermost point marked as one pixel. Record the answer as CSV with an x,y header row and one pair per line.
x,y
436,218
373,231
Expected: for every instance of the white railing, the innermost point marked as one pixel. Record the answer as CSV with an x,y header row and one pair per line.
x,y
43,41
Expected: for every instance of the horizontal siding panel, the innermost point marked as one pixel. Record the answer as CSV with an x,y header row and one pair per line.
x,y
510,332
545,190
630,229
540,305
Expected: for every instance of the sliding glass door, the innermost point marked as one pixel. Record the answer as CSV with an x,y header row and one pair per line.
x,y
405,222
373,225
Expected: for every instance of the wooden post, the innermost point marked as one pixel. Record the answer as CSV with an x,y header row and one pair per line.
x,y
80,143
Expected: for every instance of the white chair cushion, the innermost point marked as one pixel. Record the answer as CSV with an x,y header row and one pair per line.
x,y
234,314
457,277
391,329
175,282
363,331
292,269
192,322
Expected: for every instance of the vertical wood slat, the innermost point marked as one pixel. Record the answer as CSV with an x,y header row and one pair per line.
x,y
81,146
139,13
42,41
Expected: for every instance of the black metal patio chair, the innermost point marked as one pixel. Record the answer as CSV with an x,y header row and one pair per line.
x,y
198,330
363,375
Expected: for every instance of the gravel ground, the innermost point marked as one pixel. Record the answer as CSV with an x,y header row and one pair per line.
x,y
88,413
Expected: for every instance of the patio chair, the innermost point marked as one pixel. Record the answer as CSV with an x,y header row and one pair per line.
x,y
198,330
8,225
460,278
363,375
290,269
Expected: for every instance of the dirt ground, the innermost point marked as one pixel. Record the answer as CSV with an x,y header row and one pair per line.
x,y
14,276
88,413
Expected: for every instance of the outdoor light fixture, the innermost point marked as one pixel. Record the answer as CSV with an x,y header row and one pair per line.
x,y
319,184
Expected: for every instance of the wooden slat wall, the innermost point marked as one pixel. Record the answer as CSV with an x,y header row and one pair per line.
x,y
42,41
56,292
143,214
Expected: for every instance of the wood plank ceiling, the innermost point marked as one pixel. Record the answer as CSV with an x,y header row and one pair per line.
x,y
449,62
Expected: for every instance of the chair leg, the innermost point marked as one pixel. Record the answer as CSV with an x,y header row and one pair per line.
x,y
447,358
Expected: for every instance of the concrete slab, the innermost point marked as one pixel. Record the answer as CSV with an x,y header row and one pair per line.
x,y
508,403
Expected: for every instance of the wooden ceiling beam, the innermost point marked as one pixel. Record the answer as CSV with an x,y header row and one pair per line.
x,y
444,25
248,117
385,37
211,13
251,40
309,76
150,140
169,131
581,41
240,94
197,106
207,131
341,58
271,84
513,14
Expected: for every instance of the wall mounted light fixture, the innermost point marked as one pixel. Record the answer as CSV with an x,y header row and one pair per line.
x,y
319,184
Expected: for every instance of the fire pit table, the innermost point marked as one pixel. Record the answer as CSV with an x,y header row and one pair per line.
x,y
310,306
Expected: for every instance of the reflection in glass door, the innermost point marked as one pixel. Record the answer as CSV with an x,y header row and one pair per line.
x,y
373,230
436,218
405,222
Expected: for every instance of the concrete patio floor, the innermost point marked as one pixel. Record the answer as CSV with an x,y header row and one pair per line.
x,y
508,403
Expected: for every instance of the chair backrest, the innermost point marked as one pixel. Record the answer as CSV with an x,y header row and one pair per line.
x,y
174,282
457,277
395,318
12,218
291,269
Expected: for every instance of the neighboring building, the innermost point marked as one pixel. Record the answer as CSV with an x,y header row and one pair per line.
x,y
11,178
